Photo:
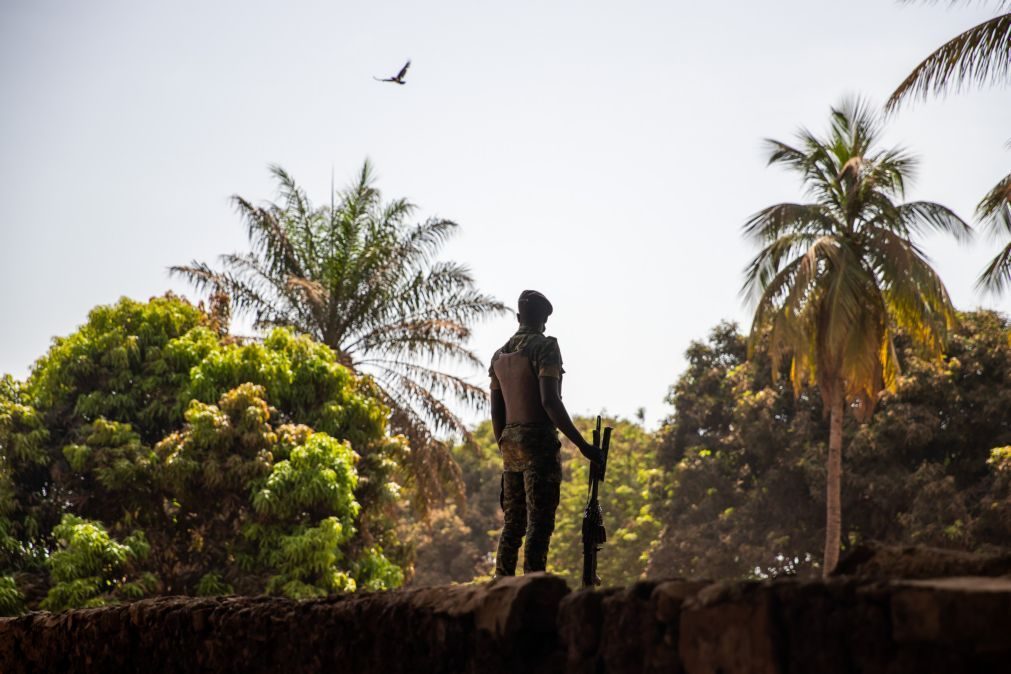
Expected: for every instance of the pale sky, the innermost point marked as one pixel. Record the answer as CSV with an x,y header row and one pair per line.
x,y
605,153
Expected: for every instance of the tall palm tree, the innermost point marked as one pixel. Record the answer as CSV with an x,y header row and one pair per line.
x,y
837,274
980,55
357,277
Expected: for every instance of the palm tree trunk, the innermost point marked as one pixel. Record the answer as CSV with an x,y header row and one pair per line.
x,y
833,506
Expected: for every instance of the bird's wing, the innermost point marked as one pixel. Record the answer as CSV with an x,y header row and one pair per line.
x,y
403,71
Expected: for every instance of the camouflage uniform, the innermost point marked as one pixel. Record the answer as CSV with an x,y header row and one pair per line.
x,y
532,468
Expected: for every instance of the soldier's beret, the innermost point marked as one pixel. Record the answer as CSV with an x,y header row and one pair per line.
x,y
532,298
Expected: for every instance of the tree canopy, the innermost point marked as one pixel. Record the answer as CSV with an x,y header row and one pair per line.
x,y
743,458
148,454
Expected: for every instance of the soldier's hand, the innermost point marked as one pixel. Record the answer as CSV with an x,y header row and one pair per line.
x,y
591,453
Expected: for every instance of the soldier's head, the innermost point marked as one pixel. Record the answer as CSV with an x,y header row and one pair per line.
x,y
534,308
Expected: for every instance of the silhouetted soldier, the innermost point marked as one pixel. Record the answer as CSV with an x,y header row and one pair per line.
x,y
527,412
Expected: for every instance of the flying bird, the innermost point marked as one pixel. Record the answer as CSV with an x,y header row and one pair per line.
x,y
398,78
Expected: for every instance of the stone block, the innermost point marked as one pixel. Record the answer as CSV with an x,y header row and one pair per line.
x,y
968,613
729,628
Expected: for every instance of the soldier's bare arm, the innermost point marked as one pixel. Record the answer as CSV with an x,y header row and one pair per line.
x,y
551,400
498,413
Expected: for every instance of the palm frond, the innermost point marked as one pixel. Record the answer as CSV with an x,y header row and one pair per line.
x,y
268,238
420,403
440,384
787,155
766,267
270,297
403,343
992,209
994,212
770,223
980,55
996,278
926,216
431,469
889,172
914,294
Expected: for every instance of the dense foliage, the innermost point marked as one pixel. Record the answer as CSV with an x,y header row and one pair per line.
x,y
627,497
358,277
459,544
733,484
149,454
745,458
457,541
146,453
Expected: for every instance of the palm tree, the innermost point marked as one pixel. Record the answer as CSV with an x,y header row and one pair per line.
x,y
357,277
980,55
994,211
836,275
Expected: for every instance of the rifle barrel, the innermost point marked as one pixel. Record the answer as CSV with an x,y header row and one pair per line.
x,y
605,449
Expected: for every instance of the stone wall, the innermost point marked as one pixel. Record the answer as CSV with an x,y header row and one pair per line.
x,y
535,624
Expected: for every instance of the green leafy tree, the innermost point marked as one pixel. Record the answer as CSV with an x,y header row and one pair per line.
x,y
127,364
925,456
357,277
994,520
89,568
245,467
837,274
22,459
11,600
743,467
450,549
287,490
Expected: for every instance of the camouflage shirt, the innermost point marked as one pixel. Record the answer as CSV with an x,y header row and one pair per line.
x,y
531,446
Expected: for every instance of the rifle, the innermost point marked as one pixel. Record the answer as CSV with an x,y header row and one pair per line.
x,y
594,534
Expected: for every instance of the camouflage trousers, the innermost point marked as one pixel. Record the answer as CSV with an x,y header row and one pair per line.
x,y
529,500
531,485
